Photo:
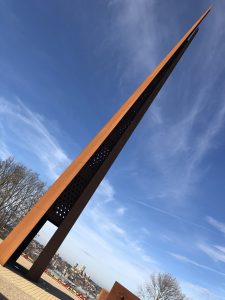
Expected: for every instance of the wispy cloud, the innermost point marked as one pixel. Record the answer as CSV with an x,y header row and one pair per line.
x,y
4,151
102,234
26,129
105,192
115,262
113,228
178,143
198,292
216,252
107,233
133,28
174,216
181,141
120,211
108,226
216,224
194,263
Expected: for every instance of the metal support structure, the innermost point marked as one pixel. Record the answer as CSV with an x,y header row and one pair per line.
x,y
67,197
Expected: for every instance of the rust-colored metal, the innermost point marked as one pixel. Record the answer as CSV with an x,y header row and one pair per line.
x,y
103,295
67,197
119,292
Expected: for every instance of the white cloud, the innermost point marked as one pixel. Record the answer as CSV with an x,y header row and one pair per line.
x,y
115,263
116,260
102,237
179,143
27,130
107,226
105,192
216,252
111,248
194,263
221,248
172,215
198,292
121,211
216,224
132,25
178,149
112,227
176,145
4,151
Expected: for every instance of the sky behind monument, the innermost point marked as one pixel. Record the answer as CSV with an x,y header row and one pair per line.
x,y
66,67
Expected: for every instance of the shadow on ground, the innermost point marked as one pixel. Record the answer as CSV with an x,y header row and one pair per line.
x,y
20,270
3,297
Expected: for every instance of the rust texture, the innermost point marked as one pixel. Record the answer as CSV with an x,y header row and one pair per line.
x,y
118,292
103,295
66,198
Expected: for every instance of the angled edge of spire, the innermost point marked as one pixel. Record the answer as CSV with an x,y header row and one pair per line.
x,y
203,16
189,35
194,29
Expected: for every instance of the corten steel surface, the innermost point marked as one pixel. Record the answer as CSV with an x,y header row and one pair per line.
x,y
67,197
119,292
103,295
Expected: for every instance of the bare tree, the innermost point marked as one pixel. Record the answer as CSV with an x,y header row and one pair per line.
x,y
20,188
161,286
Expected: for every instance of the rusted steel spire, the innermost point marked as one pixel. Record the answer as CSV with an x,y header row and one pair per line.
x,y
66,198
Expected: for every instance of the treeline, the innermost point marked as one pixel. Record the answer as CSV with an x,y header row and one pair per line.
x,y
20,188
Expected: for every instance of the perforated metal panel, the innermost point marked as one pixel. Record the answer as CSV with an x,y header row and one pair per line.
x,y
64,203
73,191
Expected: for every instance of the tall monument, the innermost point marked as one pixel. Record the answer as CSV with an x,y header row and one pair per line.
x,y
67,197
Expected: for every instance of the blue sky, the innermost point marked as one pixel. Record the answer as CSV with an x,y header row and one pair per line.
x,y
65,68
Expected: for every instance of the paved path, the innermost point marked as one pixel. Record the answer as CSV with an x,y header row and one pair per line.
x,y
15,287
